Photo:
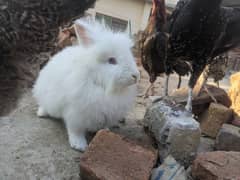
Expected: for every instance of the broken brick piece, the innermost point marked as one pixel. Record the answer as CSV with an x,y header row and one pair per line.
x,y
216,116
111,157
217,165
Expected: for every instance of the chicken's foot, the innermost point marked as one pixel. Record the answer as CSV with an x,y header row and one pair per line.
x,y
146,93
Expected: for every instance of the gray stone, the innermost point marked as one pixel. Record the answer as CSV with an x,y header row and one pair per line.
x,y
206,145
228,138
176,132
170,169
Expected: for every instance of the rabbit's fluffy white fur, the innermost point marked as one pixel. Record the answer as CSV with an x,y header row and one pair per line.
x,y
81,85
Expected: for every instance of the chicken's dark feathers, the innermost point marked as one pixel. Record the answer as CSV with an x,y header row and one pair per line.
x,y
153,43
199,31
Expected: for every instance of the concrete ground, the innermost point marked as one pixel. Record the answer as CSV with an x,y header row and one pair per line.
x,y
33,148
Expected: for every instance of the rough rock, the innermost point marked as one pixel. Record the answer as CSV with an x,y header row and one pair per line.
x,y
234,93
202,102
228,138
170,169
112,157
236,121
214,118
176,132
206,145
218,165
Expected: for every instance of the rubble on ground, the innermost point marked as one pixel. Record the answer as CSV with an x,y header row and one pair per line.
x,y
176,132
182,137
186,146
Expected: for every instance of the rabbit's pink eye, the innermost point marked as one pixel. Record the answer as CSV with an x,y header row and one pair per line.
x,y
112,60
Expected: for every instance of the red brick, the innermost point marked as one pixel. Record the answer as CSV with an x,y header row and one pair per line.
x,y
112,157
218,165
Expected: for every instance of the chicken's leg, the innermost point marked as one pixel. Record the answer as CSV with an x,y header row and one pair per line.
x,y
166,85
197,70
152,89
202,81
188,107
179,82
146,93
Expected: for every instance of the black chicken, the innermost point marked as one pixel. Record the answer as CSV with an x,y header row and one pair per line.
x,y
199,31
154,44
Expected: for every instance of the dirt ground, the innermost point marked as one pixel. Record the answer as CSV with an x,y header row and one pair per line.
x,y
33,148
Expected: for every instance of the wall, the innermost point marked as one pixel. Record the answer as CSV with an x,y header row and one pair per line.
x,y
137,11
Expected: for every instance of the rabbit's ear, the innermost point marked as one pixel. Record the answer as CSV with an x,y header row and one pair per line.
x,y
82,35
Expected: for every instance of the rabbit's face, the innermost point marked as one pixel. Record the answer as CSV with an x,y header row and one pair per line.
x,y
112,64
116,68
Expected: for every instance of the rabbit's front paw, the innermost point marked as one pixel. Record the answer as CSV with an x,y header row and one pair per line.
x,y
78,142
41,112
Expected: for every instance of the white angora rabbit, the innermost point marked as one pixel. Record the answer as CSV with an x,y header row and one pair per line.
x,y
91,85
